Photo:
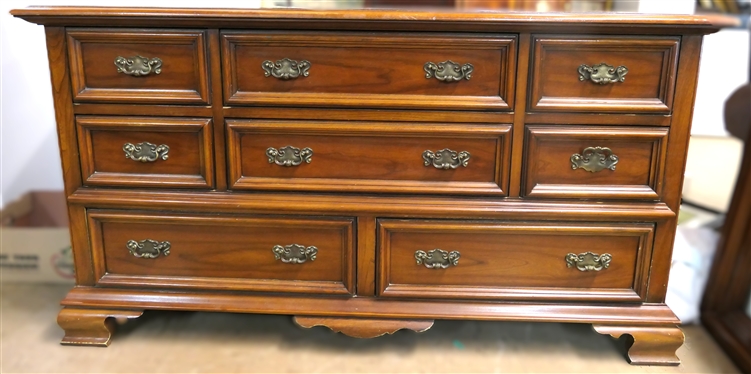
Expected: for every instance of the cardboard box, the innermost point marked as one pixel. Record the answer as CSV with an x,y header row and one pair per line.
x,y
35,240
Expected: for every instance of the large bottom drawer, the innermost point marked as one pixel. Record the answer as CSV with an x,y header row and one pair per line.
x,y
513,260
274,254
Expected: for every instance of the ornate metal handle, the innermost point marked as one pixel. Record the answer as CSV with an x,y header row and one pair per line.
x,y
594,159
289,155
138,65
286,68
603,73
448,71
148,248
446,158
588,261
437,258
146,152
294,253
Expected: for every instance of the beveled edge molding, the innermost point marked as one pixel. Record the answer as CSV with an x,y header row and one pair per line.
x,y
652,345
364,328
635,314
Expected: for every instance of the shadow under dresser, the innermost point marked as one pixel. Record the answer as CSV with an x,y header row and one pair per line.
x,y
374,170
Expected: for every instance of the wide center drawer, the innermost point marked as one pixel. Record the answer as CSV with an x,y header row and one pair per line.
x,y
416,70
369,157
257,253
513,260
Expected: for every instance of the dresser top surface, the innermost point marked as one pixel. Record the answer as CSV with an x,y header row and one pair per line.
x,y
244,17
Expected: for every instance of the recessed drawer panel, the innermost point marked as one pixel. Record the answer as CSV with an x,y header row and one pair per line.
x,y
146,151
510,260
369,70
594,162
275,254
603,74
138,66
369,157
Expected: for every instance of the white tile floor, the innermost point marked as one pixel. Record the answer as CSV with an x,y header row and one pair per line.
x,y
221,342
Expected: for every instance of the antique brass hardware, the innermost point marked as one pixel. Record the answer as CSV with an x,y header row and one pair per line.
x,y
446,158
437,258
148,248
289,155
294,253
594,159
286,68
448,71
138,65
603,73
588,261
146,152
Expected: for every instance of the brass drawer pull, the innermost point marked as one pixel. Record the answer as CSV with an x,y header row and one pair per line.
x,y
437,258
146,152
448,71
446,158
148,248
588,261
289,155
594,159
286,68
138,65
295,253
603,73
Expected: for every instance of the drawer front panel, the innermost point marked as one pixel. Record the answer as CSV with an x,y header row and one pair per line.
x,y
369,157
507,260
138,66
367,70
146,151
616,74
275,254
594,162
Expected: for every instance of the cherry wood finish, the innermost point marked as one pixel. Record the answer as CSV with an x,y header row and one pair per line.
x,y
366,70
189,164
509,260
92,327
368,113
548,171
368,157
184,72
648,86
227,253
364,327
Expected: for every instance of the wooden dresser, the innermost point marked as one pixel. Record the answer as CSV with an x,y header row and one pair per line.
x,y
374,170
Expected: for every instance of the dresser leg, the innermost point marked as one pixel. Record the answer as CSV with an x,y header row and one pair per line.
x,y
92,327
364,327
652,345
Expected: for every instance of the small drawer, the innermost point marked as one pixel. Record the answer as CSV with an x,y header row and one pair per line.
x,y
514,261
146,151
594,162
435,71
369,157
603,74
145,66
249,253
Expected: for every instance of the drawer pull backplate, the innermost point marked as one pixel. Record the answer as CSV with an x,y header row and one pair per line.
x,y
588,261
437,258
603,73
448,71
138,65
295,253
286,68
446,158
148,248
289,155
594,159
146,152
